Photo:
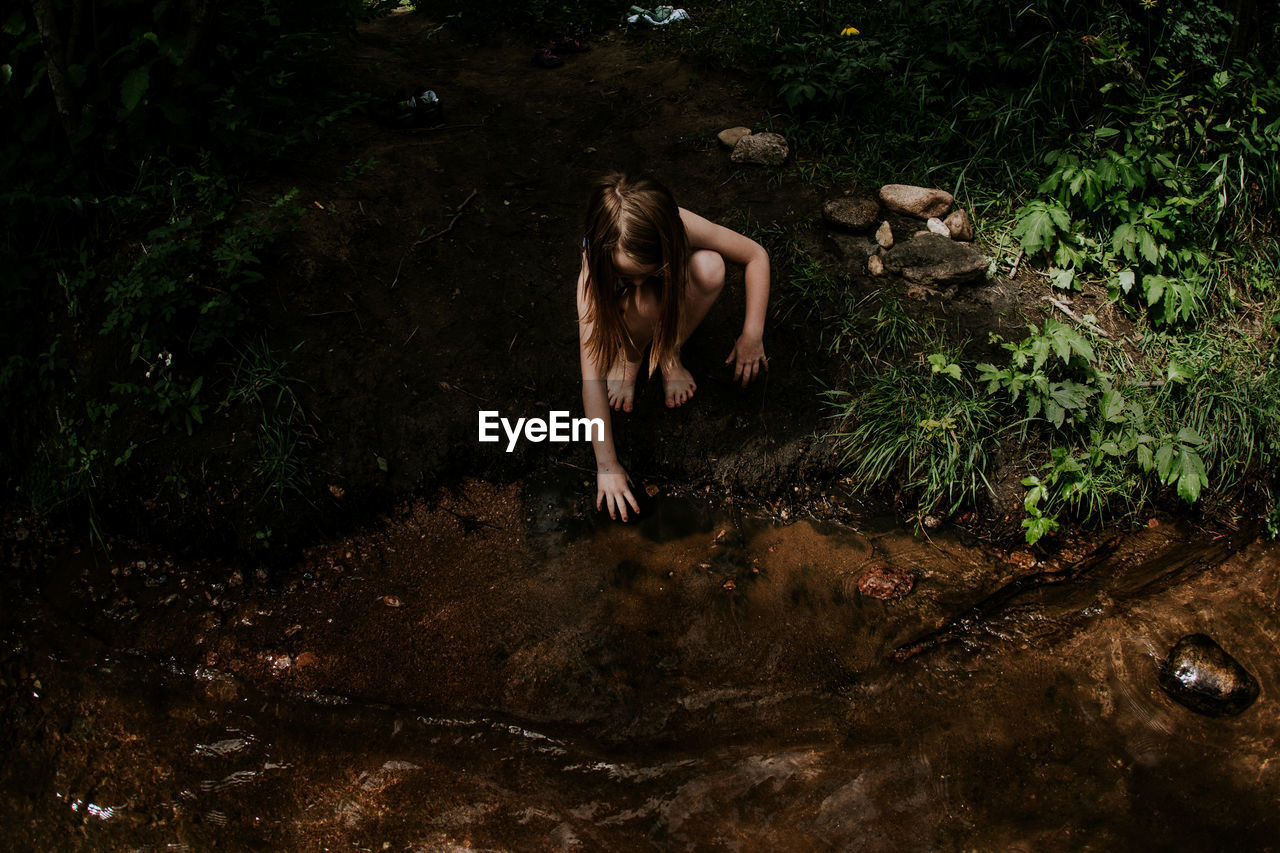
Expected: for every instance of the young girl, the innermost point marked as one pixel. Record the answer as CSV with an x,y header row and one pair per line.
x,y
650,270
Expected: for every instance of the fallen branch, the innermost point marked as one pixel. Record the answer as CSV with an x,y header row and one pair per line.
x,y
452,222
1066,309
1013,270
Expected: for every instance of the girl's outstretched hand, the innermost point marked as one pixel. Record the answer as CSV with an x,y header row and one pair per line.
x,y
748,358
613,489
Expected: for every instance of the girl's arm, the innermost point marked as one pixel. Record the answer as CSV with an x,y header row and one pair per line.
x,y
748,351
612,483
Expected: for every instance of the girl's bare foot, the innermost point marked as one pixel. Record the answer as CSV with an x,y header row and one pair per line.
x,y
621,385
678,383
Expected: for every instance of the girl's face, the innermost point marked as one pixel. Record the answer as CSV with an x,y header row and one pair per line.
x,y
631,272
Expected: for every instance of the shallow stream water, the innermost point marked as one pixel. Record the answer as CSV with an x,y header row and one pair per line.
x,y
502,672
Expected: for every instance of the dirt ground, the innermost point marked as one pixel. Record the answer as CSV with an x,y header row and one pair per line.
x,y
431,274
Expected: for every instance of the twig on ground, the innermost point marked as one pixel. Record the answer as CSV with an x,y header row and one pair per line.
x,y
1088,324
1013,270
452,222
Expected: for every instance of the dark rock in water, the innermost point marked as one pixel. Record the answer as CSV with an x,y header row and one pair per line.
x,y
852,214
1198,673
934,260
886,583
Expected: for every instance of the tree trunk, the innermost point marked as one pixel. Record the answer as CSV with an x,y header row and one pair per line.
x,y
55,54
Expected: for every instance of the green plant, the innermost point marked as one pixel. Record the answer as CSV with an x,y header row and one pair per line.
x,y
928,432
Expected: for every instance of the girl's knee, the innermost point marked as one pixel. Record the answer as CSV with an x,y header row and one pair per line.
x,y
706,270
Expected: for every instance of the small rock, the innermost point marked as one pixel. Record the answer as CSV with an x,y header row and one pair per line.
x,y
306,659
851,214
651,490
390,601
960,226
1023,560
920,202
884,235
932,260
730,136
886,583
766,149
935,226
729,585
875,265
337,491
1199,674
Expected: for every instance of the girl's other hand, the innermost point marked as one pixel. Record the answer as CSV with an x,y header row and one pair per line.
x,y
748,358
613,489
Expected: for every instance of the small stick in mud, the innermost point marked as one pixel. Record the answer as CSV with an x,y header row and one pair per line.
x,y
452,222
1065,309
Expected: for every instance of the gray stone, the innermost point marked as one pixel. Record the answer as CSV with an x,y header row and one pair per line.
x,y
851,214
875,265
884,235
766,149
1199,674
920,202
730,137
936,227
960,226
933,260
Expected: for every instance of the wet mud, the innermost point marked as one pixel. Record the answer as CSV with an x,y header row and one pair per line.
x,y
502,669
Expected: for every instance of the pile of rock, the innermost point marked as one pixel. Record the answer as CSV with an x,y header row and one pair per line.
x,y
765,149
912,239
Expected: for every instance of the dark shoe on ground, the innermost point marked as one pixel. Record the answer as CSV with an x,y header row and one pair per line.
x,y
568,44
544,58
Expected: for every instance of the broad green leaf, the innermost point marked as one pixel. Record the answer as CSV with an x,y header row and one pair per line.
x,y
1164,461
135,86
1178,372
1125,279
1187,435
1154,287
1145,459
1062,279
1112,404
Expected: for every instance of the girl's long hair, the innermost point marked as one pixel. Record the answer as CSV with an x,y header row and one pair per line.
x,y
638,217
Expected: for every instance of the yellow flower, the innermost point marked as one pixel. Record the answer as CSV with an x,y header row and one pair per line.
x,y
853,31
1148,4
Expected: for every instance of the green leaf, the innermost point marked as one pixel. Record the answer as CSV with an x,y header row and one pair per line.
x,y
382,464
1145,459
1112,404
1062,279
135,86
1178,372
1038,226
1154,286
1125,279
1105,132
1164,462
1187,435
1192,478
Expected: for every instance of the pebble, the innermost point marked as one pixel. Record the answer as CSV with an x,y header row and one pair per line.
x,y
875,265
730,136
960,226
1199,674
935,225
886,583
884,235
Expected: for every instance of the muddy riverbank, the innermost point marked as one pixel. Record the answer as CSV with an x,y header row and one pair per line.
x,y
494,670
